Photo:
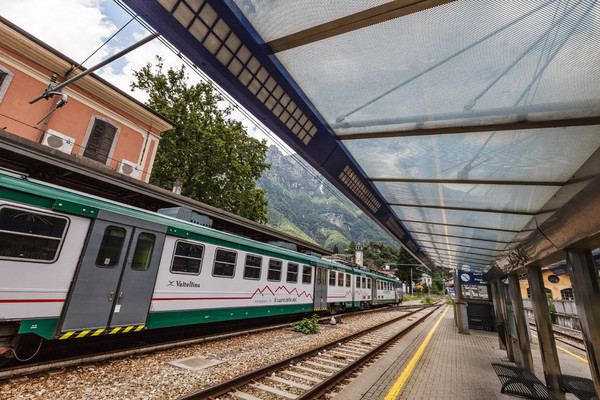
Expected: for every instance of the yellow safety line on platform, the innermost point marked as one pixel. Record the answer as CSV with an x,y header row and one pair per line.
x,y
567,351
393,392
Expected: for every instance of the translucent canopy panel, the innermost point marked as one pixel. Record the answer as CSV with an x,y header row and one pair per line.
x,y
475,234
274,19
478,196
466,128
435,240
455,64
458,217
546,155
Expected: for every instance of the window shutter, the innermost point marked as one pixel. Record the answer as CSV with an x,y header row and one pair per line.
x,y
100,141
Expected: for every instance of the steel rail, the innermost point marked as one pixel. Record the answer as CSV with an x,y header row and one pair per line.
x,y
249,377
34,368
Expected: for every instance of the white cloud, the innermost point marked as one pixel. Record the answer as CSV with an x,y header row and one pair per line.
x,y
74,27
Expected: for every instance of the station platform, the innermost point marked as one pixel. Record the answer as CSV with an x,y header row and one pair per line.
x,y
450,366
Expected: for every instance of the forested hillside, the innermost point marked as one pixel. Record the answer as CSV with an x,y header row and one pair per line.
x,y
300,205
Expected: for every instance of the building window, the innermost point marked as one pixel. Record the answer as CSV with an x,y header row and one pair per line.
x,y
567,294
100,140
5,78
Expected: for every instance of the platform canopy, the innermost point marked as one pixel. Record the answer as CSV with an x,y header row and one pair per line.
x,y
467,129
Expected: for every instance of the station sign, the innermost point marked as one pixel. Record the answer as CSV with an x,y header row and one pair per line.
x,y
472,278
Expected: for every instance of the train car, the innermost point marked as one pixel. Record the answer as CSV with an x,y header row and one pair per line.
x,y
75,265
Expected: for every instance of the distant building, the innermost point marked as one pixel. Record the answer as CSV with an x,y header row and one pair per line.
x,y
425,280
98,122
559,286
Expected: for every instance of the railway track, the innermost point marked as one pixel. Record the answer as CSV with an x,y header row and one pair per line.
x,y
313,373
572,339
32,368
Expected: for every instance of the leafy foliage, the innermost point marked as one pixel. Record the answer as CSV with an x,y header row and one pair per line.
x,y
308,326
218,163
426,300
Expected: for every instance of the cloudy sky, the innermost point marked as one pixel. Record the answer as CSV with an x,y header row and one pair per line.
x,y
77,28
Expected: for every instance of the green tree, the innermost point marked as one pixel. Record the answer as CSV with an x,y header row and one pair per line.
x,y
212,155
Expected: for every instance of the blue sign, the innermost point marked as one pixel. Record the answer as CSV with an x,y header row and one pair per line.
x,y
451,292
472,278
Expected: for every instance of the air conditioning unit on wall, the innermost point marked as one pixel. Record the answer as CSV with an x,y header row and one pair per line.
x,y
130,169
58,141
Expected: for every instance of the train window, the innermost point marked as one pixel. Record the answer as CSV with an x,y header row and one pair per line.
x,y
340,279
368,283
348,280
187,258
143,252
306,274
110,247
252,267
224,263
318,275
292,273
364,282
26,235
331,278
274,270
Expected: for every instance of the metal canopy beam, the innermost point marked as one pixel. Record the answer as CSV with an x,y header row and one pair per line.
x,y
459,255
470,182
458,237
542,116
461,245
362,19
492,211
457,262
412,221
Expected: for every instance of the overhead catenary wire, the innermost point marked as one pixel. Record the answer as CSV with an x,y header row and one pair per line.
x,y
250,117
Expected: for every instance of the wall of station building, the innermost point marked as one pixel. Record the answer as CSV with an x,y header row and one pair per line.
x,y
23,79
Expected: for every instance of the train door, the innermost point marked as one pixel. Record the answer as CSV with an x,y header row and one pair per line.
x,y
115,279
320,291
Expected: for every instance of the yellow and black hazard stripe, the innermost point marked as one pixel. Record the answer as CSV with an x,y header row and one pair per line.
x,y
96,332
320,309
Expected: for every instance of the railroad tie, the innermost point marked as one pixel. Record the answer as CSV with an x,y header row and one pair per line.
x,y
314,364
275,391
312,371
331,361
289,383
301,376
244,396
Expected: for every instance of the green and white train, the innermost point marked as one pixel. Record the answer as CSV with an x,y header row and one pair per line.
x,y
74,265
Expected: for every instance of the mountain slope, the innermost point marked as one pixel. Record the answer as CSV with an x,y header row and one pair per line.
x,y
301,205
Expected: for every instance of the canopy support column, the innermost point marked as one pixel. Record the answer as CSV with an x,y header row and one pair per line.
x,y
543,323
521,322
500,320
584,279
460,307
